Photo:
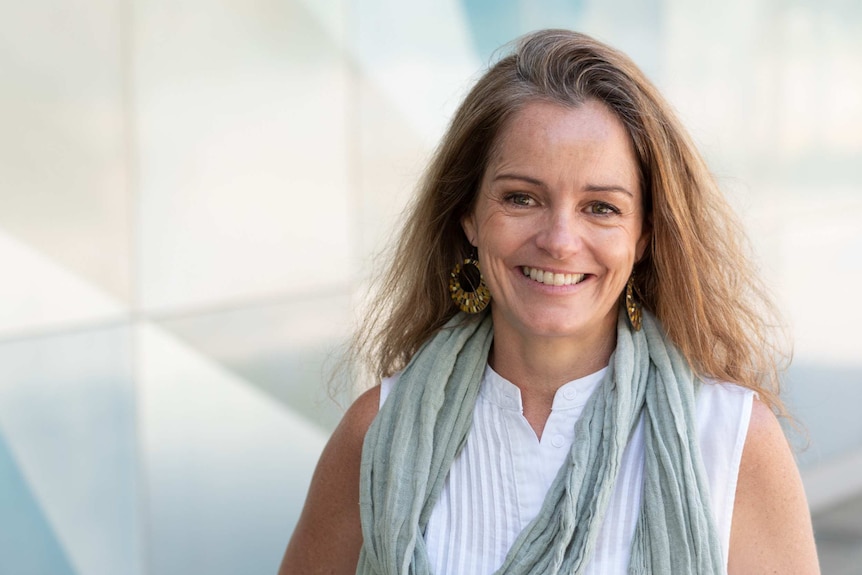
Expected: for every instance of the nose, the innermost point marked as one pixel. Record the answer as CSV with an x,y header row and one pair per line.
x,y
560,234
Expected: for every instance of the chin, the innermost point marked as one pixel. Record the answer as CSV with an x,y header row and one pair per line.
x,y
567,325
554,328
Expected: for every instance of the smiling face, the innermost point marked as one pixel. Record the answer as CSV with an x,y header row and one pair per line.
x,y
558,222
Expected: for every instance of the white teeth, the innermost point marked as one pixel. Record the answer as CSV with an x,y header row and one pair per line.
x,y
550,278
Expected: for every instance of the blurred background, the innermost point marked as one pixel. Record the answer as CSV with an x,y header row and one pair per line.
x,y
191,194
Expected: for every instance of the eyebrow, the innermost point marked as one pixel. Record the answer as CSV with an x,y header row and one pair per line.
x,y
541,184
527,179
610,188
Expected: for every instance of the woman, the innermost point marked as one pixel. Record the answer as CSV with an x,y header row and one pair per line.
x,y
605,401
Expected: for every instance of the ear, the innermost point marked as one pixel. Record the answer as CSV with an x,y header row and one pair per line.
x,y
644,240
468,224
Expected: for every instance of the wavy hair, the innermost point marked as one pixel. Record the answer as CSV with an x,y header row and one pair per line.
x,y
696,275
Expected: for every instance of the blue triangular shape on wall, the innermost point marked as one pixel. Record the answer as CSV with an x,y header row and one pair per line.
x,y
27,542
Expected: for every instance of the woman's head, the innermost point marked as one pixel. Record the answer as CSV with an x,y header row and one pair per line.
x,y
565,68
553,66
558,223
693,274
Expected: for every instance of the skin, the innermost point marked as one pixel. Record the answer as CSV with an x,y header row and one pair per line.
x,y
771,531
561,194
328,535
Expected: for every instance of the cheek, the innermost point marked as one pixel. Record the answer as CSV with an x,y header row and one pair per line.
x,y
494,231
504,245
618,248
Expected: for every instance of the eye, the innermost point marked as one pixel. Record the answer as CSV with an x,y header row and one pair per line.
x,y
603,209
519,199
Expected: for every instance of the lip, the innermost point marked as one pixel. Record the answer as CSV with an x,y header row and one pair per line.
x,y
552,270
552,278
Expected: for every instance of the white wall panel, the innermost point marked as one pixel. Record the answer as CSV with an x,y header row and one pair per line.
x,y
821,263
41,295
429,72
63,138
286,349
244,186
225,464
391,158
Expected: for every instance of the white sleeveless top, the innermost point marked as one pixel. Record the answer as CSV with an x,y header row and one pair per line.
x,y
498,482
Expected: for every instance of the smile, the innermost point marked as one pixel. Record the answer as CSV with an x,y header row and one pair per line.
x,y
550,278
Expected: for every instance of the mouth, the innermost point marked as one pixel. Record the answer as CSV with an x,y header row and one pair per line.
x,y
551,278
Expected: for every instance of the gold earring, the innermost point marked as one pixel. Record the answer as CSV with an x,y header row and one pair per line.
x,y
633,306
467,286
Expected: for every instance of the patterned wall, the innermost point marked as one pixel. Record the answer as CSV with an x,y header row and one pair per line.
x,y
191,193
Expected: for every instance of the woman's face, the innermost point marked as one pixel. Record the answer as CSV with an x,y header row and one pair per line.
x,y
558,222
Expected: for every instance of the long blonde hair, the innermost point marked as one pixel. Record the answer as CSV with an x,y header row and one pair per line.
x,y
696,276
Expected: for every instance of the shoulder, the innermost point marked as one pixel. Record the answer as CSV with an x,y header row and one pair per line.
x,y
771,530
346,441
357,419
337,472
341,457
328,535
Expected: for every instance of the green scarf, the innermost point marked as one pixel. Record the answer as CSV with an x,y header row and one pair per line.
x,y
425,421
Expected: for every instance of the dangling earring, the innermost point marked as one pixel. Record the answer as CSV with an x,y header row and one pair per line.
x,y
633,306
467,286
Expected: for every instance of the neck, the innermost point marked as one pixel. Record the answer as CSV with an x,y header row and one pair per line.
x,y
543,366
539,366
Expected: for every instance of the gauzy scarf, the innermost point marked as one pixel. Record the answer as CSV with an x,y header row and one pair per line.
x,y
424,423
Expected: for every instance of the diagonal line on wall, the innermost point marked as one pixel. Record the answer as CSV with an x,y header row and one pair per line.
x,y
28,542
282,349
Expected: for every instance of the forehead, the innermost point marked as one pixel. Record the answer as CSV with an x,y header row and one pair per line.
x,y
545,135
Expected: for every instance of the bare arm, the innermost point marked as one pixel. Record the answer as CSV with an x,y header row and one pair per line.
x,y
327,538
771,529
